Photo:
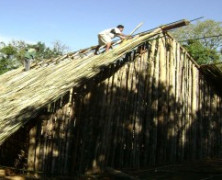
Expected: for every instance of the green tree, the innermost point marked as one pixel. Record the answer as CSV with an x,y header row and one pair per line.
x,y
41,54
59,48
3,65
202,54
12,55
20,46
203,40
9,51
45,52
8,58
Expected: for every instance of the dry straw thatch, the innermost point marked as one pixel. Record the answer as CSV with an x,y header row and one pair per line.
x,y
214,73
214,70
22,94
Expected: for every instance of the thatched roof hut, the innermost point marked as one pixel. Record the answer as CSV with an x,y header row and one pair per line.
x,y
144,103
22,94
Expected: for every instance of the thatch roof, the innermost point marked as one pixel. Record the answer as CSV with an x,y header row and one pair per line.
x,y
213,72
22,94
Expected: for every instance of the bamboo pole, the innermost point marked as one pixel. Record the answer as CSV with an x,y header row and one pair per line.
x,y
32,149
183,102
172,109
161,101
154,107
147,103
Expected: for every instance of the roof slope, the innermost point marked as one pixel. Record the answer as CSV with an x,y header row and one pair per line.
x,y
214,73
24,93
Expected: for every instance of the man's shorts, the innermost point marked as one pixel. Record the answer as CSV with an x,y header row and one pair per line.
x,y
103,39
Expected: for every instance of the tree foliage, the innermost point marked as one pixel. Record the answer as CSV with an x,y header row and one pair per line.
x,y
12,54
8,50
203,40
201,53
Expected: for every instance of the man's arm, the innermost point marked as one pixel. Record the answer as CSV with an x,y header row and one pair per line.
x,y
123,36
119,34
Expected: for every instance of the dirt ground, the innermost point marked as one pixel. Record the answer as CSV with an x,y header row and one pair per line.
x,y
200,170
196,170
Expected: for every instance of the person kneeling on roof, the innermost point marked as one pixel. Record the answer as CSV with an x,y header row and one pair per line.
x,y
105,37
29,56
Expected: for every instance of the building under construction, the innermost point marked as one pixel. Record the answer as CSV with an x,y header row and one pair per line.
x,y
144,103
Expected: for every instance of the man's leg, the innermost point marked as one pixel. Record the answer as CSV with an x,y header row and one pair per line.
x,y
108,45
97,49
27,64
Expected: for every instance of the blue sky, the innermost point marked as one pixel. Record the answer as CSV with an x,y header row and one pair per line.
x,y
76,23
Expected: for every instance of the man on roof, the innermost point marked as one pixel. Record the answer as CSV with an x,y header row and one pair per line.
x,y
105,37
30,55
